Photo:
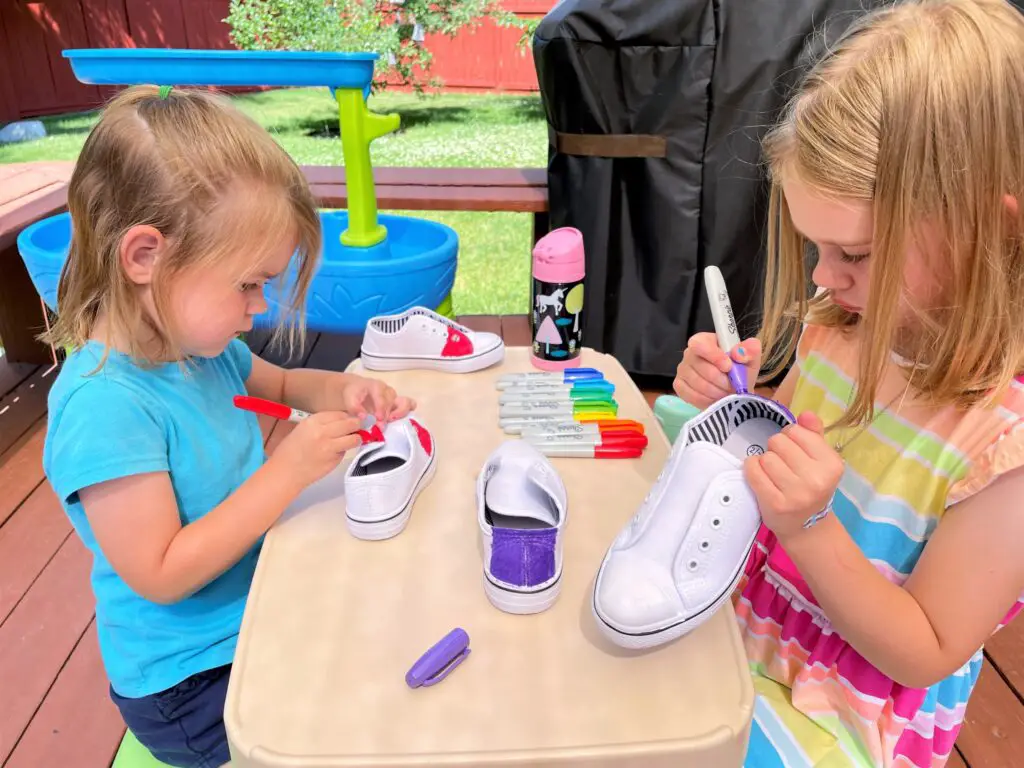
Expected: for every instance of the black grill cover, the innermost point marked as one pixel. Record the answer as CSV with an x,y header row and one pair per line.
x,y
697,82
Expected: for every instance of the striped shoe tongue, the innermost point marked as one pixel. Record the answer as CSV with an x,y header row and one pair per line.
x,y
741,425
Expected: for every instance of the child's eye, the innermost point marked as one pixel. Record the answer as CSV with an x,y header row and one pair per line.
x,y
246,287
853,258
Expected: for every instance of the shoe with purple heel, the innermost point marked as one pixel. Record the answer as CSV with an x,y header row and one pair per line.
x,y
521,509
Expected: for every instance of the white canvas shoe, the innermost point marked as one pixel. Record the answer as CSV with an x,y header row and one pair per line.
x,y
383,480
420,338
681,556
521,509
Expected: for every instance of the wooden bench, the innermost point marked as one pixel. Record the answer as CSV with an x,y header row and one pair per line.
x,y
32,191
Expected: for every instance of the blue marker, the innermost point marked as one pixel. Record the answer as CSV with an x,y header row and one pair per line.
x,y
569,375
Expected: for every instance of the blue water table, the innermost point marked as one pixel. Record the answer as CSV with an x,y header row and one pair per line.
x,y
372,263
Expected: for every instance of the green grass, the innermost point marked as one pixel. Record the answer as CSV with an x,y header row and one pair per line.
x,y
444,130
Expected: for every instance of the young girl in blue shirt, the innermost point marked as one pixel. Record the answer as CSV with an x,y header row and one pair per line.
x,y
183,209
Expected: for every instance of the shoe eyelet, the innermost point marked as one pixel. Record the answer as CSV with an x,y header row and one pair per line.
x,y
716,523
726,500
705,546
692,565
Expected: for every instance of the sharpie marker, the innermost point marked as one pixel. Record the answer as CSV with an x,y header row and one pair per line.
x,y
518,424
560,397
555,430
604,440
725,324
591,452
557,408
285,413
570,374
586,386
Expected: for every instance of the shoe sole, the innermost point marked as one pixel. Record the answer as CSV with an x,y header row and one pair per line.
x,y
388,528
522,603
639,641
454,365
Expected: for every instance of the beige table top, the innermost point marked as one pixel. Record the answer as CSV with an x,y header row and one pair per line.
x,y
333,624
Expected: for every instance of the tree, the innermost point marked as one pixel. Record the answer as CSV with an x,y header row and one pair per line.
x,y
395,29
574,304
548,334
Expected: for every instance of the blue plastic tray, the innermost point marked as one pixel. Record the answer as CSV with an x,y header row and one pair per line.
x,y
172,66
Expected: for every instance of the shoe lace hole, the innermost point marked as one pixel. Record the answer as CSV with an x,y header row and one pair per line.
x,y
727,499
692,565
716,523
705,545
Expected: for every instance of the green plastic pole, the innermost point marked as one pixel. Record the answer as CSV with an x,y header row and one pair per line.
x,y
360,126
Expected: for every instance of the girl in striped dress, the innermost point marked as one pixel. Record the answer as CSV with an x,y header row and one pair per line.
x,y
900,162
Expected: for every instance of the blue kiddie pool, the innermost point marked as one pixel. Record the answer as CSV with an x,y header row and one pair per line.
x,y
371,264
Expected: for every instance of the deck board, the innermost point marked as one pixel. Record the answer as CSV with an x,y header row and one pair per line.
x,y
1006,652
60,713
28,541
78,724
12,374
39,636
21,470
993,732
24,406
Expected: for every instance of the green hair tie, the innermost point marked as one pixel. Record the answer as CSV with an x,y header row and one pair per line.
x,y
165,91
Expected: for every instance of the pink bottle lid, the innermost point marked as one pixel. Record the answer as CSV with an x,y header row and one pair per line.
x,y
558,256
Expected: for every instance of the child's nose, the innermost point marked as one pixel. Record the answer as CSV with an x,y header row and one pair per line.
x,y
829,276
258,303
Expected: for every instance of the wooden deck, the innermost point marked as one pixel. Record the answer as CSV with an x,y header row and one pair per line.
x,y
54,708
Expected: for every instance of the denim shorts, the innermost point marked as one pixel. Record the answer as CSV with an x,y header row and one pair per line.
x,y
184,725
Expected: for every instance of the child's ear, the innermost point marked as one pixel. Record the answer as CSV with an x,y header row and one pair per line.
x,y
140,251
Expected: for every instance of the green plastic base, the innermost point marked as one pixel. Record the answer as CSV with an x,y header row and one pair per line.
x,y
445,308
672,413
131,754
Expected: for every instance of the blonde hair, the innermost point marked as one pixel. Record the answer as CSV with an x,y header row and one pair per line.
x,y
917,110
168,163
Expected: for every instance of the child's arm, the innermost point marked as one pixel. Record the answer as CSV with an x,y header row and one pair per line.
x,y
969,576
136,523
314,391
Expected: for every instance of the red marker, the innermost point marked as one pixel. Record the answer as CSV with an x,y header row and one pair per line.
x,y
602,440
286,413
590,451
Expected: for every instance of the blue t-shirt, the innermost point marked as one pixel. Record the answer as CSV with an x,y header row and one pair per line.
x,y
127,420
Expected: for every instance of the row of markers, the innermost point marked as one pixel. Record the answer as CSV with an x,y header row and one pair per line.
x,y
570,413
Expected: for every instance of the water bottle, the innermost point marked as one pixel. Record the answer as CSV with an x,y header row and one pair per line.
x,y
557,301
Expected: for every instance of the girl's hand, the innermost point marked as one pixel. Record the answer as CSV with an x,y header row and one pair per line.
x,y
701,378
362,396
315,447
796,477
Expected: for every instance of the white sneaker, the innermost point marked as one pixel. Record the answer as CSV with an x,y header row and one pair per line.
x,y
521,509
681,556
384,479
420,338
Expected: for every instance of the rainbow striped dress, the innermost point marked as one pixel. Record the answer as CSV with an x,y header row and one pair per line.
x,y
820,702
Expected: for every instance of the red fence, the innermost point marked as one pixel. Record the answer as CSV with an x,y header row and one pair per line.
x,y
36,80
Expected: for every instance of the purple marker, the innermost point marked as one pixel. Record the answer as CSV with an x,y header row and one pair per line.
x,y
725,325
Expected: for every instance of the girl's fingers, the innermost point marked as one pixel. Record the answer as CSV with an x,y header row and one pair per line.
x,y
782,477
707,390
767,493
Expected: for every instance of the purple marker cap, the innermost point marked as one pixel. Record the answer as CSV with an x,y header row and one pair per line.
x,y
738,378
438,662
